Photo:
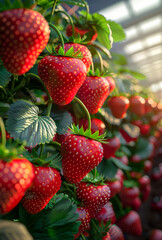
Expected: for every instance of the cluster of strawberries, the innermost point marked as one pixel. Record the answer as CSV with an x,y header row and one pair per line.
x,y
23,36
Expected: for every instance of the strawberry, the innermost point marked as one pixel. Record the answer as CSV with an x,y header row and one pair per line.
x,y
63,76
123,159
16,177
79,156
149,103
155,234
86,54
84,217
94,92
115,233
82,32
96,125
157,203
137,105
94,197
127,195
115,187
107,213
24,33
147,166
111,83
118,106
111,147
131,223
145,129
127,136
46,183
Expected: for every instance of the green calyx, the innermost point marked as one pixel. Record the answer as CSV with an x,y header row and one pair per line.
x,y
70,53
94,178
15,4
87,133
97,73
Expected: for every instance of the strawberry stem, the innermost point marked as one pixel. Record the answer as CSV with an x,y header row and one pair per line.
x,y
95,226
70,20
59,34
87,9
3,132
32,75
82,236
57,144
53,10
85,110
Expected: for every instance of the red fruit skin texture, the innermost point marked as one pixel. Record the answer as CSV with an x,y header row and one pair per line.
x,y
63,76
157,204
107,237
87,57
149,103
107,213
84,217
94,92
137,105
81,32
118,106
111,83
24,33
15,178
155,234
115,187
128,197
145,129
111,147
79,157
126,136
116,233
131,223
93,197
96,125
46,184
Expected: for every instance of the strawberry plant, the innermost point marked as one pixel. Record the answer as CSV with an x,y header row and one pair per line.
x,y
76,137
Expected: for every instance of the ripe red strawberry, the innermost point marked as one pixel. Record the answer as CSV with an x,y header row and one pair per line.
x,y
79,156
87,57
118,106
81,32
155,234
84,217
96,125
111,83
137,105
46,184
111,147
147,166
127,195
24,33
94,92
127,137
107,213
94,197
115,187
131,223
145,129
63,76
123,159
157,203
116,233
15,178
149,103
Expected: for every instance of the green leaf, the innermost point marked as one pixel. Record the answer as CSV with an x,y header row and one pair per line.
x,y
103,30
58,222
107,168
49,3
63,121
130,183
135,74
70,52
4,107
5,76
143,148
119,59
25,124
119,164
61,51
118,33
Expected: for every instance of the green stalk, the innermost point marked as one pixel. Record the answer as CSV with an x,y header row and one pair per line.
x,y
101,60
41,151
57,144
53,9
70,20
95,226
87,8
32,75
59,34
85,110
3,132
82,236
